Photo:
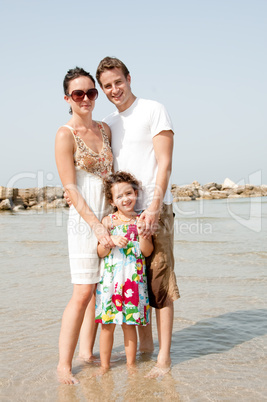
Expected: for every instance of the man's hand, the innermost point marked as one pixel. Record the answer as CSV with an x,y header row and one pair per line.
x,y
147,224
141,226
119,241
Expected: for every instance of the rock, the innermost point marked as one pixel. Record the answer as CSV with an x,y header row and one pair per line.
x,y
183,191
8,192
249,186
228,184
186,191
208,186
32,203
264,190
18,208
257,189
234,196
59,203
28,195
206,195
229,191
196,184
49,194
41,205
217,195
5,205
239,189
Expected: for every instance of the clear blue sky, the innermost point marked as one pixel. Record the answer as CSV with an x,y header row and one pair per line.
x,y
205,60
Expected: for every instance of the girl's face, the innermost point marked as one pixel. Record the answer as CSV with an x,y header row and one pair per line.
x,y
85,105
123,197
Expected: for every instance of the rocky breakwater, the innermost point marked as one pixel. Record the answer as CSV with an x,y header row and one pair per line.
x,y
211,191
17,199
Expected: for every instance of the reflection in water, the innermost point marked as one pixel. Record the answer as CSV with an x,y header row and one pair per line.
x,y
120,385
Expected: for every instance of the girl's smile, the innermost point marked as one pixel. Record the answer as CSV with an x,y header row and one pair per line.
x,y
124,198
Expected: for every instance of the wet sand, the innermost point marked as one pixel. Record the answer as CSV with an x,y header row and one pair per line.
x,y
220,327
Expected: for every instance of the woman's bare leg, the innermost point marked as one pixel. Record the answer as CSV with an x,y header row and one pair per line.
x,y
88,332
70,329
130,343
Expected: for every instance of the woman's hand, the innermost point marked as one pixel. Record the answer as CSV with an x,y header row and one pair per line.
x,y
67,198
119,241
102,235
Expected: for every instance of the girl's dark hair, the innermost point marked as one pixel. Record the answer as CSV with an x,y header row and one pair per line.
x,y
71,75
119,177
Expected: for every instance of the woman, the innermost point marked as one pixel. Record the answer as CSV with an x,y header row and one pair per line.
x,y
84,158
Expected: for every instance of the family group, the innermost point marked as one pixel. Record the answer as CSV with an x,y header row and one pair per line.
x,y
116,176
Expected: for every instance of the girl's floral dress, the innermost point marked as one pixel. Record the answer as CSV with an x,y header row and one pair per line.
x,y
121,294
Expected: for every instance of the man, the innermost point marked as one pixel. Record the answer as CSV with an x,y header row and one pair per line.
x,y
142,144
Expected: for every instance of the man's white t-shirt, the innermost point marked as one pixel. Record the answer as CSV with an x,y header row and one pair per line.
x,y
132,144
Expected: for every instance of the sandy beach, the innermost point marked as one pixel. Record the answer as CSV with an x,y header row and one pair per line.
x,y
220,332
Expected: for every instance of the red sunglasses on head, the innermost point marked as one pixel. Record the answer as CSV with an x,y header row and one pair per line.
x,y
78,95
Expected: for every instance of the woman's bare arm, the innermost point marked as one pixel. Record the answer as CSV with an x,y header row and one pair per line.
x,y
64,149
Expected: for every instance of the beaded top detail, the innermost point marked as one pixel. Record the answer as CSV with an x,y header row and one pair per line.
x,y
99,164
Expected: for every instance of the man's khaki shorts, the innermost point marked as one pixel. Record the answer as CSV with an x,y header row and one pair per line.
x,y
162,286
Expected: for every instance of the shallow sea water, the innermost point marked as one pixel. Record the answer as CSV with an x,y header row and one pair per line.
x,y
219,344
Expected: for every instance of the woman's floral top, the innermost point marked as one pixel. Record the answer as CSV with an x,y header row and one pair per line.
x,y
90,161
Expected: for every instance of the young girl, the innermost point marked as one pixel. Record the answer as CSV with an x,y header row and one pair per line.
x,y
121,295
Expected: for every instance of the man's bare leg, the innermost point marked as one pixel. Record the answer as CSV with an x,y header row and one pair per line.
x,y
164,326
145,337
88,333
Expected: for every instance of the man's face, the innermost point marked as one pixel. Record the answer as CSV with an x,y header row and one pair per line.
x,y
117,88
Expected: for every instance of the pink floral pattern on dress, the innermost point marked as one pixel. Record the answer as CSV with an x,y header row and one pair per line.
x,y
121,295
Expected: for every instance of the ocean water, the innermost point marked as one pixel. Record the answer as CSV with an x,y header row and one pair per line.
x,y
219,343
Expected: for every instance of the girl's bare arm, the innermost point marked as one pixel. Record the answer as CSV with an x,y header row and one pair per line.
x,y
146,245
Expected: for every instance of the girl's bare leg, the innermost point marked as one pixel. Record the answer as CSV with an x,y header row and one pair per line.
x,y
106,343
130,343
88,332
70,328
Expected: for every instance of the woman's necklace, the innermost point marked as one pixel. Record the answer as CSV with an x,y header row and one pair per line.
x,y
123,220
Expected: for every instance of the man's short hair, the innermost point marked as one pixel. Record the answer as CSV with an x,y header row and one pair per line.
x,y
108,63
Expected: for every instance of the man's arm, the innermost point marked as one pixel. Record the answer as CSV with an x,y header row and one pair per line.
x,y
163,148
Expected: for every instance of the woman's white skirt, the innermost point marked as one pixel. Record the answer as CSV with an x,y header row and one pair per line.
x,y
85,265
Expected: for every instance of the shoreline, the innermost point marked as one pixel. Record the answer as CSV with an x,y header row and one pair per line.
x,y
15,199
